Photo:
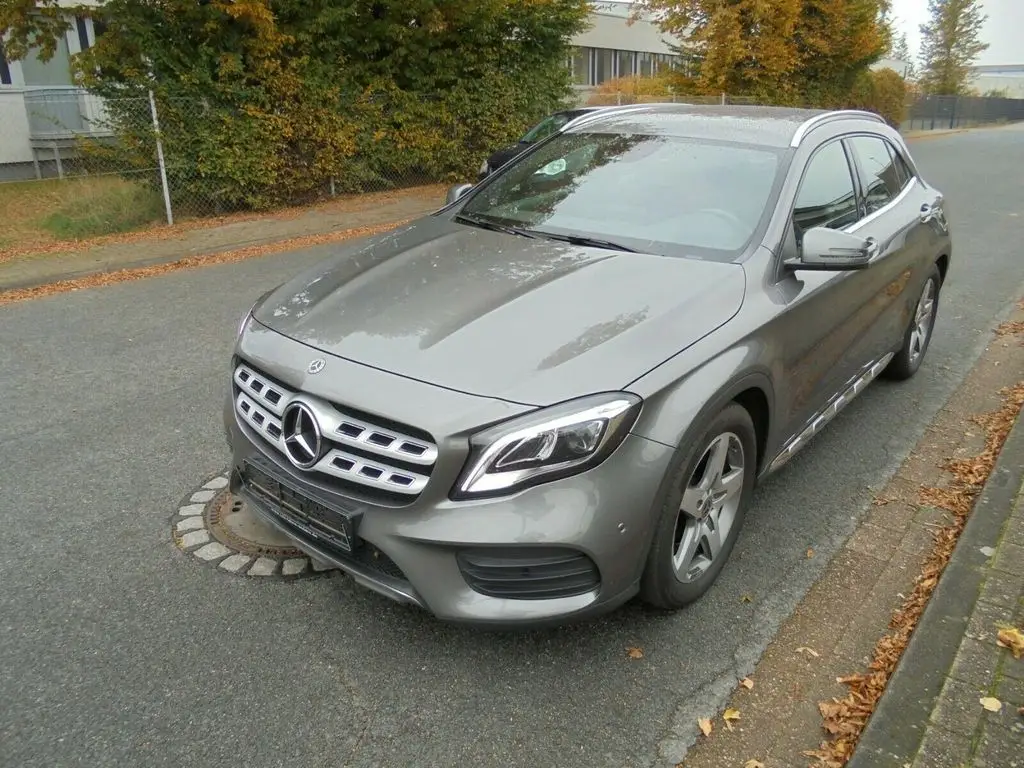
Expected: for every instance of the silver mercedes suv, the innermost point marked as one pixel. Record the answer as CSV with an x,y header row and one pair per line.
x,y
557,392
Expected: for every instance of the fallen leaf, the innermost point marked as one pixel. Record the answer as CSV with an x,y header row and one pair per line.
x,y
987,551
729,715
1012,638
810,553
810,651
991,703
1020,711
635,653
747,683
704,724
746,599
753,764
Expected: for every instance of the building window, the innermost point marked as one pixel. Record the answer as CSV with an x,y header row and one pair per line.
x,y
83,33
604,65
579,64
56,71
5,70
644,64
624,63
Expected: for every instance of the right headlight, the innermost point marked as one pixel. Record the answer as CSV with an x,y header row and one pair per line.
x,y
545,445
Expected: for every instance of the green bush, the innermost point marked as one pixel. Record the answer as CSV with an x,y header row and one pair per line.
x,y
267,102
882,91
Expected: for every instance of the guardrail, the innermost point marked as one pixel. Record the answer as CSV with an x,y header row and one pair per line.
x,y
59,113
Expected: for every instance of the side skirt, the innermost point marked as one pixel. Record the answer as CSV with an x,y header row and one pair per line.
x,y
829,412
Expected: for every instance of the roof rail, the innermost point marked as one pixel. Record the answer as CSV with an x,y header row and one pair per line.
x,y
617,109
817,120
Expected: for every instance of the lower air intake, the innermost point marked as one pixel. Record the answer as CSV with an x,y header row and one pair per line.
x,y
534,573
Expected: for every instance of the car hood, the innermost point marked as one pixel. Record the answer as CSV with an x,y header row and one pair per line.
x,y
533,321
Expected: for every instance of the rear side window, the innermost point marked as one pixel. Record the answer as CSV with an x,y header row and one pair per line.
x,y
879,177
827,197
545,128
903,171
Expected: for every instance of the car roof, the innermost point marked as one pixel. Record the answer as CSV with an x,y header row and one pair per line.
x,y
577,111
767,126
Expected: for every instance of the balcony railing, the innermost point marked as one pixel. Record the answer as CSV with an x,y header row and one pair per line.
x,y
62,113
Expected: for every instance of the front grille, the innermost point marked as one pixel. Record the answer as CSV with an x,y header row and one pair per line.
x,y
528,573
386,461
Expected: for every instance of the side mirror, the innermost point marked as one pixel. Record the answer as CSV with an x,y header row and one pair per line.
x,y
833,249
455,192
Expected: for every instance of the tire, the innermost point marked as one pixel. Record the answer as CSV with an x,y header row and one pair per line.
x,y
911,354
662,584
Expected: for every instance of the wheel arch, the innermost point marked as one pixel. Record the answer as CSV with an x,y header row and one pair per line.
x,y
679,423
943,264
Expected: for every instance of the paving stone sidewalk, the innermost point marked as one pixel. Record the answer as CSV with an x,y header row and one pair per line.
x,y
931,716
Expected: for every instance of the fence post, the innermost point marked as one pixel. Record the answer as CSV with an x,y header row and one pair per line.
x,y
160,159
618,98
723,99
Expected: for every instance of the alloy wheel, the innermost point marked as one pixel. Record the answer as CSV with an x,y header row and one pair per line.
x,y
708,507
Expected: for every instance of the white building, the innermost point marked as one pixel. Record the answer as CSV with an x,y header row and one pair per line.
x,y
1007,79
612,47
41,111
900,67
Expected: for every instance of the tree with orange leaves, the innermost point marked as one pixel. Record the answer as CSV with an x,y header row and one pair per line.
x,y
783,51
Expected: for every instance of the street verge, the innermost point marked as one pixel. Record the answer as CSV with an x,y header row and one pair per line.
x,y
189,262
875,587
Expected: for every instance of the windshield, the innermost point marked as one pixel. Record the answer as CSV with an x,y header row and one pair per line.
x,y
657,194
545,128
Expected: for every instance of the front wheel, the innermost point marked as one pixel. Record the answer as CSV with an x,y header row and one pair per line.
x,y
703,512
918,335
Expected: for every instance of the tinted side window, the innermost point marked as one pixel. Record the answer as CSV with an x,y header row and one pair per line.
x,y
878,176
827,197
902,169
545,128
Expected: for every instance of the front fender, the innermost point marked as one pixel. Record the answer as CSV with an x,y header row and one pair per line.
x,y
675,411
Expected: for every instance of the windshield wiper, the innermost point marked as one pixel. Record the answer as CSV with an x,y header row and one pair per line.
x,y
593,242
492,225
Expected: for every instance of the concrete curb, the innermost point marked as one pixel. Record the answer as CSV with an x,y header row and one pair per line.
x,y
895,731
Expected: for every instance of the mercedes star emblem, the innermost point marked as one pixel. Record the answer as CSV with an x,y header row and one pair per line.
x,y
303,443
316,366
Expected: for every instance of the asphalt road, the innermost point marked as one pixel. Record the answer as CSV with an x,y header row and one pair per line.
x,y
116,649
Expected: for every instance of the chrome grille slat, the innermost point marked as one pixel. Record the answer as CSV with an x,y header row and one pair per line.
x,y
262,390
397,446
261,403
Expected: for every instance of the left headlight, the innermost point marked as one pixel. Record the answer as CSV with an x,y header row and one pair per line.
x,y
548,444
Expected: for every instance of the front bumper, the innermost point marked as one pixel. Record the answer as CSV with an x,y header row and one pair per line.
x,y
556,552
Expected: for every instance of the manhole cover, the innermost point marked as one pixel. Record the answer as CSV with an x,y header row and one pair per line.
x,y
217,527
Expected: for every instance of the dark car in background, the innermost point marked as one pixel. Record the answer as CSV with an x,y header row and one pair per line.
x,y
546,127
